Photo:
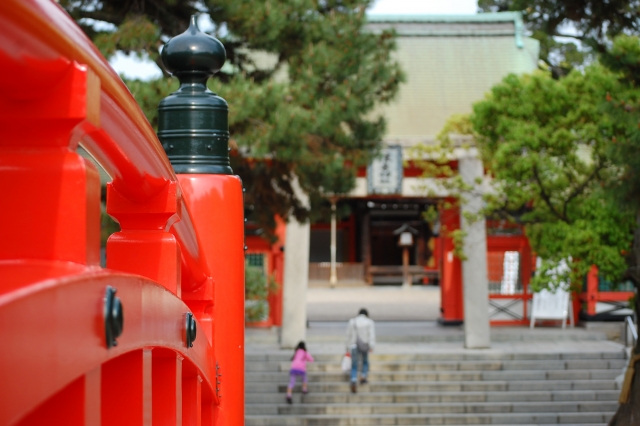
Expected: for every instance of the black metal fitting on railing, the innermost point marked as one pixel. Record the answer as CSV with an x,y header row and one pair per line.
x,y
113,317
190,330
193,121
218,382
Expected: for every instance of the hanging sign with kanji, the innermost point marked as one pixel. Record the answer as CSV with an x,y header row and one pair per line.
x,y
384,174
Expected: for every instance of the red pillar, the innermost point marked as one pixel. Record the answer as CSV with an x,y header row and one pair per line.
x,y
592,290
451,308
52,194
275,299
216,204
143,247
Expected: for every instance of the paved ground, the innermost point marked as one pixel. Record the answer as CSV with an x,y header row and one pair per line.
x,y
406,325
429,337
384,303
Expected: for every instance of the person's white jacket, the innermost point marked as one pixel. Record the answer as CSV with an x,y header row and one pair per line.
x,y
365,330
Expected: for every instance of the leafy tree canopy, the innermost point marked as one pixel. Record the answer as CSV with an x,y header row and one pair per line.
x,y
624,107
546,144
591,23
302,79
563,156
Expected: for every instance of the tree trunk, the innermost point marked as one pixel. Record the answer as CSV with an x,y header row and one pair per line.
x,y
628,414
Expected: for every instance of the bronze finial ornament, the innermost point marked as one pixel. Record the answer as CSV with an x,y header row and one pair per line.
x,y
193,121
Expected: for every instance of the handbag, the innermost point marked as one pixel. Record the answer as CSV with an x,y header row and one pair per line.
x,y
361,344
346,362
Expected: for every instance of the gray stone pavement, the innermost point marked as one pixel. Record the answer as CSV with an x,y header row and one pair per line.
x,y
406,326
395,303
429,337
406,322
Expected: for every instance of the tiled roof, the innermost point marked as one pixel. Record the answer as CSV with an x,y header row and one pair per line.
x,y
450,63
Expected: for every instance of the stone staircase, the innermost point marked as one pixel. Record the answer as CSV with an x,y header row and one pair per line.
x,y
457,388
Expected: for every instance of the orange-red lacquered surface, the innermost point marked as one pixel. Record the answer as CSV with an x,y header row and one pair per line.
x,y
216,202
451,307
275,268
498,245
54,333
38,45
38,188
593,295
56,368
37,31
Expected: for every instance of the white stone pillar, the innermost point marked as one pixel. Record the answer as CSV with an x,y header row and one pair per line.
x,y
475,280
296,279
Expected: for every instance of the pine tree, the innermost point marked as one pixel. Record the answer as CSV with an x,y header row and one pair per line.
x,y
303,79
546,143
624,107
571,32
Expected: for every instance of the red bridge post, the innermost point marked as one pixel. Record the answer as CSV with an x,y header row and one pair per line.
x,y
70,357
193,128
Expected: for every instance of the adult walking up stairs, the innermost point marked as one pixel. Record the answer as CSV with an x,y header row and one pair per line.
x,y
546,377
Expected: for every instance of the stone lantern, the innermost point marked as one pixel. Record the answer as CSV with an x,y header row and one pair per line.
x,y
405,240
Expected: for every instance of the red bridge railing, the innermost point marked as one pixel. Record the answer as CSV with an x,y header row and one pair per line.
x,y
70,356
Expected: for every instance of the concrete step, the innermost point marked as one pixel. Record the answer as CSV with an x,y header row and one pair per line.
x,y
431,335
478,365
431,419
432,408
459,388
445,386
430,397
412,376
398,357
335,366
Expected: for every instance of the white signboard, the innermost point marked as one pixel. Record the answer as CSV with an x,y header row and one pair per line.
x,y
553,306
384,175
510,272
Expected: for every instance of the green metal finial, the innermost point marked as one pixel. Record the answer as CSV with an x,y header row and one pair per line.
x,y
193,121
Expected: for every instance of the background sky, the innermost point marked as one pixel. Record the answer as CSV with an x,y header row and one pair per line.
x,y
133,67
427,7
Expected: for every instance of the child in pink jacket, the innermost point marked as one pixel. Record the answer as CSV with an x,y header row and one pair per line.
x,y
299,368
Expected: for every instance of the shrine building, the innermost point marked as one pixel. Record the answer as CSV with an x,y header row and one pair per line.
x,y
450,62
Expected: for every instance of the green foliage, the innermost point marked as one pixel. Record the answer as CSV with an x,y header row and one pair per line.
x,y
624,107
257,289
108,226
435,162
148,94
435,159
458,237
590,23
546,138
302,79
135,34
545,142
556,152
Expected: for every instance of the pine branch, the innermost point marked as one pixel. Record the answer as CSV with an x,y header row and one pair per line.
x,y
545,197
579,190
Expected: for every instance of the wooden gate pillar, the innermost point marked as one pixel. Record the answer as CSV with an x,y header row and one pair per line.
x,y
451,306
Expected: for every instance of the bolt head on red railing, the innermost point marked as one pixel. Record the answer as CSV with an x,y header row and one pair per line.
x,y
113,317
193,121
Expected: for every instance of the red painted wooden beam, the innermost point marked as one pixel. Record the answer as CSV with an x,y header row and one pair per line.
x,y
53,334
37,45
